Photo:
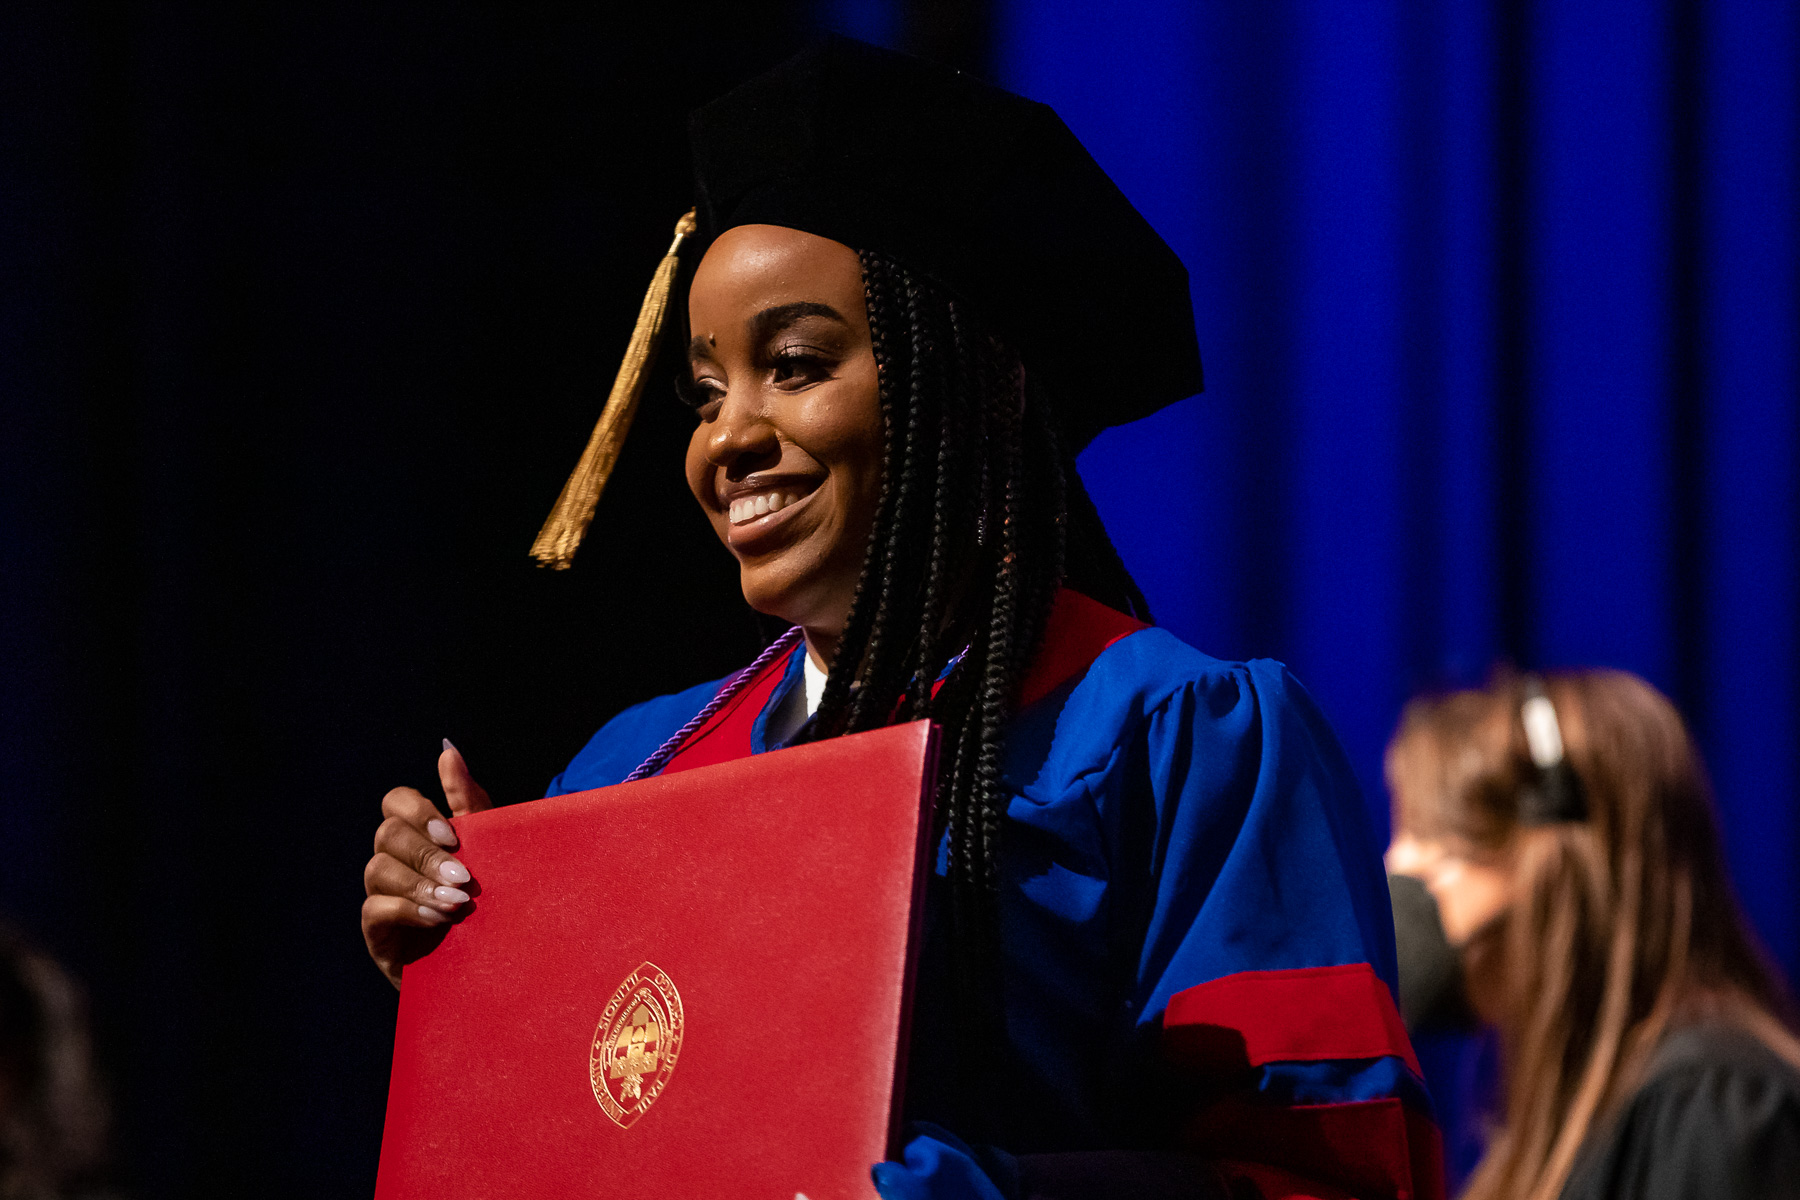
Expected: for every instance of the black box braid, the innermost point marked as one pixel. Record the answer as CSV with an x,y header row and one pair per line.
x,y
980,519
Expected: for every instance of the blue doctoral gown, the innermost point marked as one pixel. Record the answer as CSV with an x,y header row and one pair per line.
x,y
1174,820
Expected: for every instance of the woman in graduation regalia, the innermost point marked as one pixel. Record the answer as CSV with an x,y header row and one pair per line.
x,y
1566,832
1158,954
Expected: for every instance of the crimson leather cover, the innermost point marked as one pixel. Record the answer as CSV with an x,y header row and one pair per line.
x,y
690,986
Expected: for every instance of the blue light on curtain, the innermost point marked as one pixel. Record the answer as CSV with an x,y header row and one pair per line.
x,y
1750,337
1500,307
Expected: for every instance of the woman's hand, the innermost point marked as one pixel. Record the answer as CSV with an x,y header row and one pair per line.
x,y
416,887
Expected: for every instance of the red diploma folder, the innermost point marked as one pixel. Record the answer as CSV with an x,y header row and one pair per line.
x,y
695,985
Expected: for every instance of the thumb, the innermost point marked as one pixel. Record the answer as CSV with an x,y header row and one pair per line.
x,y
460,789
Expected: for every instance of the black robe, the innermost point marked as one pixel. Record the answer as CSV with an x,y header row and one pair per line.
x,y
1718,1116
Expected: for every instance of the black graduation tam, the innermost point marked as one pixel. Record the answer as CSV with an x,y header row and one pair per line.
x,y
987,192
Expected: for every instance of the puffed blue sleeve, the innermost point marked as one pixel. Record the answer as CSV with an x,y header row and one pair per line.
x,y
1189,831
1267,969
1261,856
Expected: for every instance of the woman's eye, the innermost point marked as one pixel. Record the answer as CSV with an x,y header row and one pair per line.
x,y
799,369
699,394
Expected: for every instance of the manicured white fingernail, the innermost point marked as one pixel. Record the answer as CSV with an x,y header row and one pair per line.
x,y
450,895
448,746
440,831
432,916
451,871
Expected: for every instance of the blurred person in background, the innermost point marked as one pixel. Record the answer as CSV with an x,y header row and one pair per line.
x,y
1565,829
53,1111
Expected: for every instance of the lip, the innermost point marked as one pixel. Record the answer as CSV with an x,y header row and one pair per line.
x,y
760,533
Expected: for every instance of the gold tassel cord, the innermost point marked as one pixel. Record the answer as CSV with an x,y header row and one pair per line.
x,y
568,521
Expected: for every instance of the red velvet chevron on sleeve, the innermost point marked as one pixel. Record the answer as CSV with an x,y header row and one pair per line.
x,y
1303,1015
1368,1148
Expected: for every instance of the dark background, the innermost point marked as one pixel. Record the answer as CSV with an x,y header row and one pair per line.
x,y
307,309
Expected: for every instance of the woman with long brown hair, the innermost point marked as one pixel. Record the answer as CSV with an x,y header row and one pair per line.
x,y
1565,828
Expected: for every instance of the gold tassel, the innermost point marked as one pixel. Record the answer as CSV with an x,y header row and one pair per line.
x,y
562,532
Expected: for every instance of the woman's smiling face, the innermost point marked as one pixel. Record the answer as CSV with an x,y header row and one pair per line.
x,y
786,457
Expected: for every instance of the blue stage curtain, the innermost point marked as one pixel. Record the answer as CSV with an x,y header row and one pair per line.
x,y
1500,305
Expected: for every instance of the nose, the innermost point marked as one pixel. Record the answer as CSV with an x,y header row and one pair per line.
x,y
742,439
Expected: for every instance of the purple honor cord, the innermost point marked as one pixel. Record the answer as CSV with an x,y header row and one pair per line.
x,y
736,684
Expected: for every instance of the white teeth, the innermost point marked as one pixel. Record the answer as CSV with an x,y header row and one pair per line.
x,y
761,505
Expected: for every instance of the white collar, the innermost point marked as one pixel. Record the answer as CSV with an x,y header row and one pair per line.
x,y
814,682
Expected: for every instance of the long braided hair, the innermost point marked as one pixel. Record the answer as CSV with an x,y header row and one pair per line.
x,y
980,519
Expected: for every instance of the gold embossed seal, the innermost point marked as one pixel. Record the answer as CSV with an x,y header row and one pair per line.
x,y
636,1044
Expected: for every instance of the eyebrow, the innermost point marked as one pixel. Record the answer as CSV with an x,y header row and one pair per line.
x,y
771,321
